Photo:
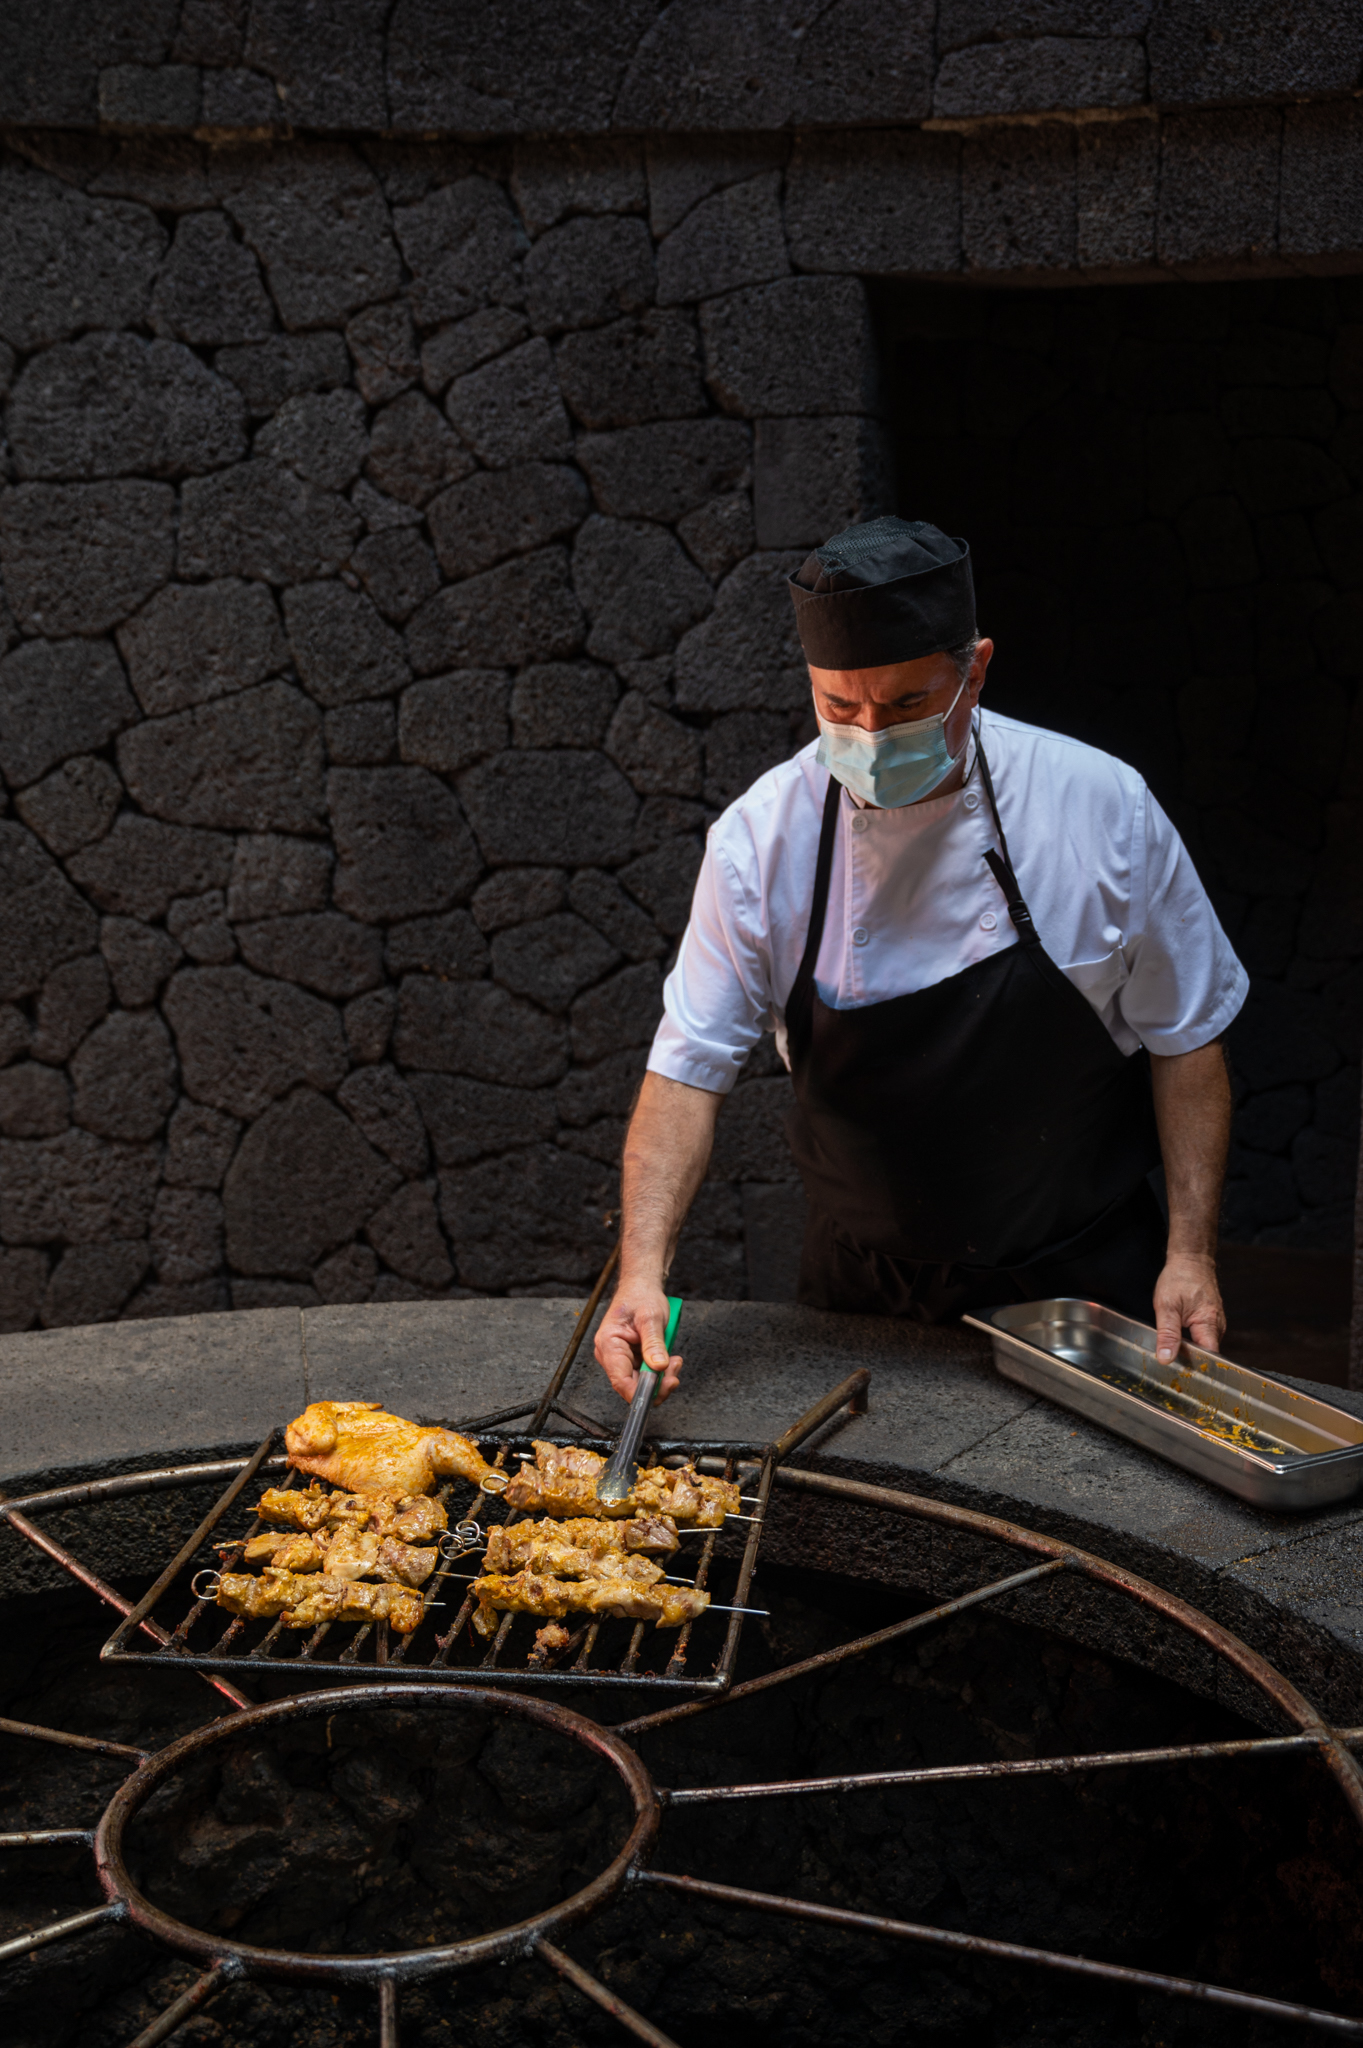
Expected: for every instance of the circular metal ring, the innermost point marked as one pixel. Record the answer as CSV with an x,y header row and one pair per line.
x,y
208,1572
404,1965
494,1482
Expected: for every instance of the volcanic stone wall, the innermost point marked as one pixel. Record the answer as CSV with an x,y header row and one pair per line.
x,y
387,611
411,412
1163,489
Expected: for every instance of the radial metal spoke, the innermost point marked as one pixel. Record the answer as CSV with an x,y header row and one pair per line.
x,y
1028,1767
197,1996
65,1741
388,2013
580,1329
858,1648
1007,1952
46,1838
591,1987
112,1598
1286,1698
58,1930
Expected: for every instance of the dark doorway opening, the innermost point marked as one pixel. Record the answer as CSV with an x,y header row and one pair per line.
x,y
1161,488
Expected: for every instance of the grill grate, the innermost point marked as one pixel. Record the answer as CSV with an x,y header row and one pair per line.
x,y
697,1658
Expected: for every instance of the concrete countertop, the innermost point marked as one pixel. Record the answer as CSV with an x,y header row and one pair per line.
x,y
942,1421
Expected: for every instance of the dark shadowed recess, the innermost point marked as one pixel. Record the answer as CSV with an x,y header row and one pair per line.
x,y
1161,487
360,1835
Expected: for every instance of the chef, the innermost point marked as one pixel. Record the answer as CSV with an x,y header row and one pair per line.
x,y
991,969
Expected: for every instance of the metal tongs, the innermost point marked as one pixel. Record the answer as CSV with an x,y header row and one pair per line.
x,y
617,1479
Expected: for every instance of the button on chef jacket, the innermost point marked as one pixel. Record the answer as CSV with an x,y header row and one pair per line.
x,y
1116,902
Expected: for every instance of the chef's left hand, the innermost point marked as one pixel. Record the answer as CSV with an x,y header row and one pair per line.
x,y
1187,1297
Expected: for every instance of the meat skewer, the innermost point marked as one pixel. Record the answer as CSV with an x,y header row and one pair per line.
x,y
624,1599
346,1551
508,1552
304,1599
562,1482
411,1518
511,1547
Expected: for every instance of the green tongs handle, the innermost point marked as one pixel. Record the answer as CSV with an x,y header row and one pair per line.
x,y
617,1479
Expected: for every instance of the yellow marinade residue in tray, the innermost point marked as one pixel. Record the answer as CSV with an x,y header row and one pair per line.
x,y
1208,1421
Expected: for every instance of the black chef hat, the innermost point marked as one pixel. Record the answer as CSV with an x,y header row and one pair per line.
x,y
890,590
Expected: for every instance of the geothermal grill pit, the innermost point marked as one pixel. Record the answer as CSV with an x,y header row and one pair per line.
x,y
893,1818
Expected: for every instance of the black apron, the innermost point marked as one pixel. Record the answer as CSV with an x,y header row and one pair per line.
x,y
972,1143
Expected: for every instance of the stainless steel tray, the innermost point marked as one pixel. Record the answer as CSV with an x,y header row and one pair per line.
x,y
1254,1436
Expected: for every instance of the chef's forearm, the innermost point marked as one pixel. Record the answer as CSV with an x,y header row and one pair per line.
x,y
1193,1113
667,1149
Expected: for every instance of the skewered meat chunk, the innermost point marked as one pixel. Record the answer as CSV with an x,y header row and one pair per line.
x,y
404,1563
624,1599
412,1518
418,1519
686,1495
294,1508
651,1534
352,1552
296,1552
260,1599
347,1552
358,1445
562,1483
328,1599
539,1547
304,1600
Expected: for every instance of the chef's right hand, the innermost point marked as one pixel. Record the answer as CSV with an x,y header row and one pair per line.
x,y
633,1327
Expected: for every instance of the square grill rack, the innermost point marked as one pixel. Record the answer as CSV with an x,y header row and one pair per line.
x,y
444,1648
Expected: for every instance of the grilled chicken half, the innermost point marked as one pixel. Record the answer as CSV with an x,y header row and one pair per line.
x,y
562,1482
358,1445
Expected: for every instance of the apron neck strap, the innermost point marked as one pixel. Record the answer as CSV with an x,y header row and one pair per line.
x,y
1000,865
818,909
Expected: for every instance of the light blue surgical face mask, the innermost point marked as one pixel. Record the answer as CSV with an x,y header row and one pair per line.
x,y
895,766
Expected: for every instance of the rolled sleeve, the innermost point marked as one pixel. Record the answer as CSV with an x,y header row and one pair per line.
x,y
1185,984
717,998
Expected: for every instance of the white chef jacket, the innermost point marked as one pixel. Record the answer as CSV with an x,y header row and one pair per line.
x,y
1114,897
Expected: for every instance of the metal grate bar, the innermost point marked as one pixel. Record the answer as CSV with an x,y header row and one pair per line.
x,y
62,1556
1005,1951
138,1614
584,1655
65,1741
45,1838
388,2013
591,1987
580,1329
827,1658
193,2000
57,1930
